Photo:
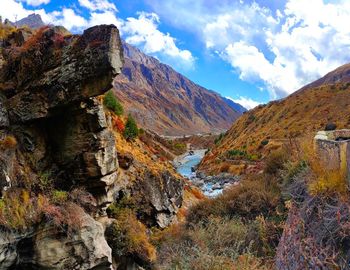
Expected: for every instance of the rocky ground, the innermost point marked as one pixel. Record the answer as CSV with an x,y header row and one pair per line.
x,y
214,185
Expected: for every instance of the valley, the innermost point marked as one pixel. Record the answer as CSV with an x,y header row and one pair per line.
x,y
112,160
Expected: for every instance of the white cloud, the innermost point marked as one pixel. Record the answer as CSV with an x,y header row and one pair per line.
x,y
36,2
106,17
67,18
97,5
13,10
247,103
143,32
283,49
254,67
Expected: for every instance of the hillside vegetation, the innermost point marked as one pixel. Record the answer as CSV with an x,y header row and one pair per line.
x,y
267,127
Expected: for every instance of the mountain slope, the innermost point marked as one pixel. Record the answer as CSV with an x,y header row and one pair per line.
x,y
166,102
32,21
264,128
236,106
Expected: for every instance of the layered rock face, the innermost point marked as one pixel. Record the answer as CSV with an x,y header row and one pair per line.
x,y
49,100
48,104
52,122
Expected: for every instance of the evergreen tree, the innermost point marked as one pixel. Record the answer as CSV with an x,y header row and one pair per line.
x,y
131,131
112,103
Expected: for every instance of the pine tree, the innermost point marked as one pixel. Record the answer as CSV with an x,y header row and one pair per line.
x,y
112,103
131,131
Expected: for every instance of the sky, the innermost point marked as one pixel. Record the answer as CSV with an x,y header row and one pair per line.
x,y
249,51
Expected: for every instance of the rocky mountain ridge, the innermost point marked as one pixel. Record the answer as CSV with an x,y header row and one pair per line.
x,y
168,103
32,21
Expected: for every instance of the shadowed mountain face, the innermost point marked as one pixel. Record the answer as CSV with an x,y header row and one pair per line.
x,y
168,103
32,21
306,111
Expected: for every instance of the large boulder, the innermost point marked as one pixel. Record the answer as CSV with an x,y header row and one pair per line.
x,y
82,249
48,247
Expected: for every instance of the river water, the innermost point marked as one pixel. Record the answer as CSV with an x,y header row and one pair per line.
x,y
184,165
187,162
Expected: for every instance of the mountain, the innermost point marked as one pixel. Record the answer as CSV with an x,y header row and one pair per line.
x,y
168,103
236,106
32,21
267,127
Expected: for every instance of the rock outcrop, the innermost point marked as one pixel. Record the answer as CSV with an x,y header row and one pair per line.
x,y
54,130
49,84
49,248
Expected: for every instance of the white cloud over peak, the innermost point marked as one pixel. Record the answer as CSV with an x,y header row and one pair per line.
x,y
283,49
247,103
143,32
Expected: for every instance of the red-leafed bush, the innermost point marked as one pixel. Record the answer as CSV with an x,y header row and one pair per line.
x,y
118,124
35,40
58,40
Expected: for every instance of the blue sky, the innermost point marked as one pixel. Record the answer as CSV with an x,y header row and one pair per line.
x,y
250,51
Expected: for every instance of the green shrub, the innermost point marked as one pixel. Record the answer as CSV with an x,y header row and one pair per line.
x,y
59,196
264,142
112,103
236,153
131,131
141,131
180,146
45,181
219,138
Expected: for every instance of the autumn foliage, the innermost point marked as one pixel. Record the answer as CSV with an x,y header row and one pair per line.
x,y
118,124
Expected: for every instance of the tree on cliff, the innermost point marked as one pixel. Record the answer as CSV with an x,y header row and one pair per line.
x,y
131,131
112,103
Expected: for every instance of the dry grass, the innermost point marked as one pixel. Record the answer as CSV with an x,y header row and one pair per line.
x,y
322,181
294,117
35,40
219,244
254,196
5,31
9,142
20,210
129,237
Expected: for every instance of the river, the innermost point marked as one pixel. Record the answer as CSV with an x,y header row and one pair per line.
x,y
187,161
184,165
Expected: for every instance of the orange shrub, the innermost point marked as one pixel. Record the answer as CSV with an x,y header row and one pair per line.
x,y
34,40
118,124
8,142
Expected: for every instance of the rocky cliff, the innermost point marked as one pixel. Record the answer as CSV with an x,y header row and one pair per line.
x,y
59,168
168,103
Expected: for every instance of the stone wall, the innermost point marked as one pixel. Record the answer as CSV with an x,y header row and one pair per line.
x,y
333,149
